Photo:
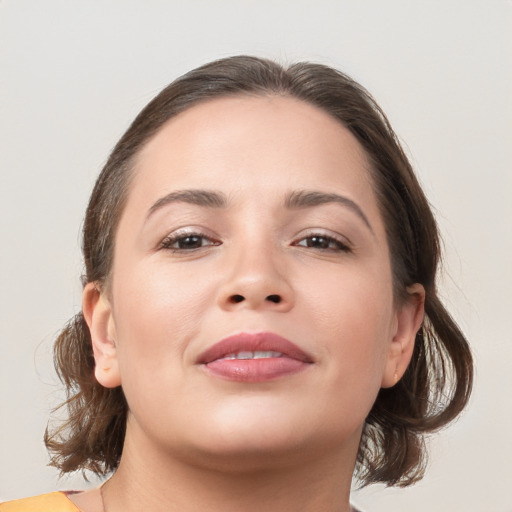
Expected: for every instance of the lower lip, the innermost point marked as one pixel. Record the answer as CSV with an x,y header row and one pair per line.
x,y
255,370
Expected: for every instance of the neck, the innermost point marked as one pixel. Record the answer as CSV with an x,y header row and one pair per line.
x,y
149,480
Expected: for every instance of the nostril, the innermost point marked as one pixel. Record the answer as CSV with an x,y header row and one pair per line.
x,y
274,298
235,299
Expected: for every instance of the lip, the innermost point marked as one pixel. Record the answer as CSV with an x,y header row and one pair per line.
x,y
292,360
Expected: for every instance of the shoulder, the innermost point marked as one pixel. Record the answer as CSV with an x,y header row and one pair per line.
x,y
52,502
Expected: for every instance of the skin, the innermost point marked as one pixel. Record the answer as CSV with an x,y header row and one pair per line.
x,y
196,442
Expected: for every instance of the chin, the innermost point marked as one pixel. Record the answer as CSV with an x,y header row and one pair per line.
x,y
261,445
241,457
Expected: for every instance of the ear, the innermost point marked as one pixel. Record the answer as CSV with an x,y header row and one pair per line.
x,y
97,313
408,322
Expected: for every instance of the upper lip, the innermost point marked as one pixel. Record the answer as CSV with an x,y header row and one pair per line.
x,y
251,342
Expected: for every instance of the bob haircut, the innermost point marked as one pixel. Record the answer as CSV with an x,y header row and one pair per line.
x,y
437,384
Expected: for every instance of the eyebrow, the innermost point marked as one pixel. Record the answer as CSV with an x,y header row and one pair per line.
x,y
295,200
205,198
308,198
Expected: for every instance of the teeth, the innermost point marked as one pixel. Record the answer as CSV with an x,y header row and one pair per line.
x,y
245,355
257,354
265,355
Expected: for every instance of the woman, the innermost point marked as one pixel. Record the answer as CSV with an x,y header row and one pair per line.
x,y
260,318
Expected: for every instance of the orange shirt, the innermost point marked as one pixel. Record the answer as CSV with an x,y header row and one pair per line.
x,y
52,502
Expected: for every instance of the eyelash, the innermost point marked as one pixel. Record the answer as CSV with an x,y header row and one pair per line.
x,y
339,245
333,244
168,242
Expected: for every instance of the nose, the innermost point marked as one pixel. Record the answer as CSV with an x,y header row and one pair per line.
x,y
257,279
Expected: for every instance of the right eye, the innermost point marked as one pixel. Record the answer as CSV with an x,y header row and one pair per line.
x,y
186,242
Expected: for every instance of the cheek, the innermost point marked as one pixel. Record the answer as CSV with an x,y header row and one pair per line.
x,y
354,312
157,311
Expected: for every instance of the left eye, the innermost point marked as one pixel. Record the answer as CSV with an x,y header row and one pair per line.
x,y
323,242
184,242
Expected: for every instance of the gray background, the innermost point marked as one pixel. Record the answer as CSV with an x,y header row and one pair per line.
x,y
74,73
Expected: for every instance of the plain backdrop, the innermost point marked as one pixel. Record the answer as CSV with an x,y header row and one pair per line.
x,y
73,73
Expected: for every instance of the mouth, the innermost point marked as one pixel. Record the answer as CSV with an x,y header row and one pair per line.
x,y
254,357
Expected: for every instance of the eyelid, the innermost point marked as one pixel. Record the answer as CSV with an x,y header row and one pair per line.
x,y
325,233
183,232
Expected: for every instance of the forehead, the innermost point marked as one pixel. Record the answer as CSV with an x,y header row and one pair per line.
x,y
256,152
241,139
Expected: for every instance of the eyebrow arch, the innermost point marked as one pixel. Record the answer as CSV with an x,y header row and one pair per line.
x,y
309,198
205,198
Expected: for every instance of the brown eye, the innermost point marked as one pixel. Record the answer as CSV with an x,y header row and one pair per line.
x,y
318,242
189,242
323,242
186,242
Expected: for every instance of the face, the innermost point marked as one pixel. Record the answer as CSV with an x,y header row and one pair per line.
x,y
251,230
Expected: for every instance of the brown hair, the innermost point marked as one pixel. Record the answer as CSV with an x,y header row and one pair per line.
x,y
438,381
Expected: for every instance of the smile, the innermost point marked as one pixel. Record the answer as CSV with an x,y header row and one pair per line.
x,y
258,354
254,357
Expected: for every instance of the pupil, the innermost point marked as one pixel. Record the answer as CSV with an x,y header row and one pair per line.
x,y
190,242
318,241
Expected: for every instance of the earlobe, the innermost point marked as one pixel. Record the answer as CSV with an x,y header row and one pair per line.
x,y
97,313
408,322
